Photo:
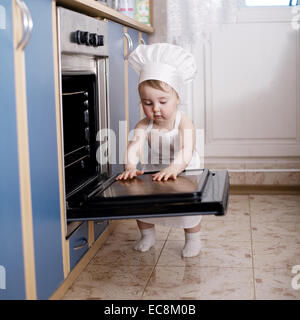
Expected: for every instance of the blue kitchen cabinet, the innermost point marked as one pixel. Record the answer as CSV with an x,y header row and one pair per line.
x,y
99,227
42,136
78,239
12,279
133,79
135,112
145,38
78,244
117,91
117,94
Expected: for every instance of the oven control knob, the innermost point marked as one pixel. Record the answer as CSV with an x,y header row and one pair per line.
x,y
93,39
82,37
100,40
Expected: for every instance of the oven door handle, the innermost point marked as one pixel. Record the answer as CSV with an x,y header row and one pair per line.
x,y
129,45
27,24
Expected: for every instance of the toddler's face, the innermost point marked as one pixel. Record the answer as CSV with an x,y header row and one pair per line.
x,y
158,105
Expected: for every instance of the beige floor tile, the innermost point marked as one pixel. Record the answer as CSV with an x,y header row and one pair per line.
x,y
214,253
213,229
122,253
127,229
278,233
105,282
223,269
176,234
200,283
279,208
238,210
275,284
272,255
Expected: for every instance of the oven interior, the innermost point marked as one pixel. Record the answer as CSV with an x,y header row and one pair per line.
x,y
80,126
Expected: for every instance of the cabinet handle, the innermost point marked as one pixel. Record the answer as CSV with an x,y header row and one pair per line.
x,y
82,245
27,24
130,45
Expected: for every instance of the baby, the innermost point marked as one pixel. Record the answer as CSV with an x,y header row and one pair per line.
x,y
163,69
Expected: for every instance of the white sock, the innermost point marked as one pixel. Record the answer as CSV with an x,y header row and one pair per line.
x,y
147,240
192,245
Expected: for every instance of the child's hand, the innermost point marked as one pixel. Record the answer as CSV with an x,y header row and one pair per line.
x,y
165,174
129,173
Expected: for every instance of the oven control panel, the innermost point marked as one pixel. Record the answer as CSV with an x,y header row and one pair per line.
x,y
82,34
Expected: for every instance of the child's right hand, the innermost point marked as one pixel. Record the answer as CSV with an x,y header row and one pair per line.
x,y
129,173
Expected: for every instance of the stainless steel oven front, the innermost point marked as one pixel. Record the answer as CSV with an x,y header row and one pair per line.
x,y
83,47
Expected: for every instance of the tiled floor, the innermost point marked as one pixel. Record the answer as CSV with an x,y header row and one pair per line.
x,y
247,254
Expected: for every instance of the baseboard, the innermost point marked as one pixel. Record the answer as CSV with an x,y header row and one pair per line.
x,y
264,189
265,177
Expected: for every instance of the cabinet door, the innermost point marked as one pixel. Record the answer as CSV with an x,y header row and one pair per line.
x,y
144,38
133,94
43,150
117,91
99,227
78,243
12,281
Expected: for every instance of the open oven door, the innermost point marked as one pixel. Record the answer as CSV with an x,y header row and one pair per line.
x,y
194,192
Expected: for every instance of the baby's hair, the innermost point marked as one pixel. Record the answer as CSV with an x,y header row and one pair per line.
x,y
157,84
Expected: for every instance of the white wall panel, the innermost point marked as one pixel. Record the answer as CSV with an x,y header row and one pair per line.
x,y
252,90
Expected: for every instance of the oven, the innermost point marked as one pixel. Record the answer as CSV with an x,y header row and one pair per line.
x,y
83,65
91,192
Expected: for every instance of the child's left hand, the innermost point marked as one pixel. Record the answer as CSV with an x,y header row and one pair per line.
x,y
165,174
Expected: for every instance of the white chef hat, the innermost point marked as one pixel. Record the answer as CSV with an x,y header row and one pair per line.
x,y
165,62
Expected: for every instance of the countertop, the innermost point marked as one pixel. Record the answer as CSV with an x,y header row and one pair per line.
x,y
96,9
